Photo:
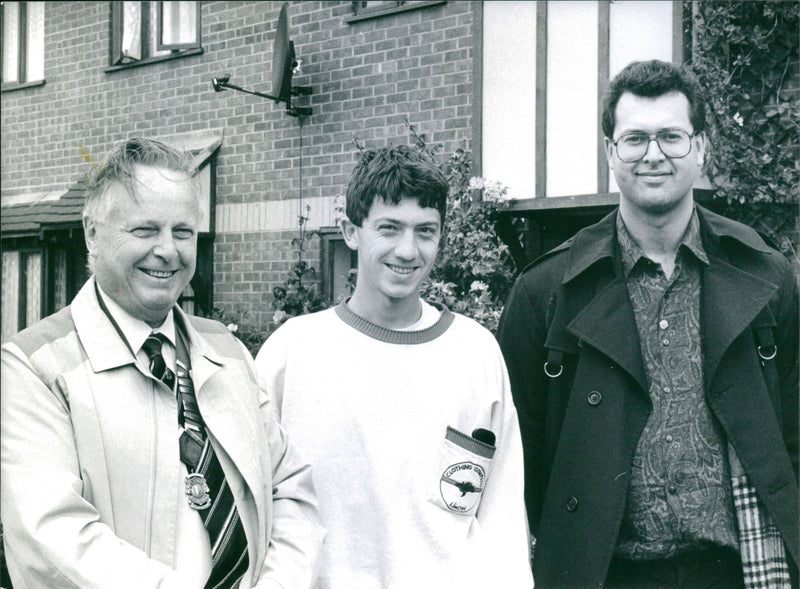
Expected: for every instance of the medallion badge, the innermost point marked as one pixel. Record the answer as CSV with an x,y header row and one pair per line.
x,y
197,491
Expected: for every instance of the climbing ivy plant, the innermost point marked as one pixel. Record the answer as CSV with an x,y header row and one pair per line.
x,y
745,55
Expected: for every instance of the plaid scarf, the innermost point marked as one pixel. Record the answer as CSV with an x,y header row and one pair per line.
x,y
763,558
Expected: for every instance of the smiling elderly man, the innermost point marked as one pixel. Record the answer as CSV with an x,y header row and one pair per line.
x,y
137,448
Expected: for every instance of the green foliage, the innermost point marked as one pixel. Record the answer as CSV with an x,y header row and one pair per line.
x,y
474,271
239,323
746,57
295,297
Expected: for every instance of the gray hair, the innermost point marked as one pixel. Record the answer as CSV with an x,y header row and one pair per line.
x,y
119,166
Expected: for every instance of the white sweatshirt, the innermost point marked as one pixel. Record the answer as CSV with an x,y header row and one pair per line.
x,y
386,419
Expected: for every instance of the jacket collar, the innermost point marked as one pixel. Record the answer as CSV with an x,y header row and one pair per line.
x,y
607,322
105,347
598,242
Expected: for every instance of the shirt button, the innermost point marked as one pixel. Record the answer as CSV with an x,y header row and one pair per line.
x,y
667,389
665,341
668,438
663,324
572,504
594,398
672,490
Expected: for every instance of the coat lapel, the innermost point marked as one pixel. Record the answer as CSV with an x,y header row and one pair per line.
x,y
104,345
730,301
607,323
230,410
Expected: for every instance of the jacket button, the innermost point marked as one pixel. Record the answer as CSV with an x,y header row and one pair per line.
x,y
572,504
594,398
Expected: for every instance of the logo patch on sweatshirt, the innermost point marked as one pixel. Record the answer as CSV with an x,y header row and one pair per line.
x,y
461,486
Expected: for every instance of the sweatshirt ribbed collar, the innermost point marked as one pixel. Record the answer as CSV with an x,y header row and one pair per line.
x,y
392,336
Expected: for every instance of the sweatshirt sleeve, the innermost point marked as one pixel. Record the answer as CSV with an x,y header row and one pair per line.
x,y
502,509
297,530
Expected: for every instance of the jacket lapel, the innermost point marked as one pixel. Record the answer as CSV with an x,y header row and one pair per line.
x,y
105,347
730,301
607,323
233,420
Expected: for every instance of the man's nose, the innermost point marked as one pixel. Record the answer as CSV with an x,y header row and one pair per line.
x,y
653,152
165,246
406,246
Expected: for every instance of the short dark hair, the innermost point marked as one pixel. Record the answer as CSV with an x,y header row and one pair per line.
x,y
652,79
119,166
394,173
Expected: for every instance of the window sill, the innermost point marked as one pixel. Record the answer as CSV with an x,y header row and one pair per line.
x,y
12,86
380,12
525,205
151,60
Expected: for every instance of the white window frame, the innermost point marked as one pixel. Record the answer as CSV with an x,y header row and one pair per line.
x,y
142,43
28,51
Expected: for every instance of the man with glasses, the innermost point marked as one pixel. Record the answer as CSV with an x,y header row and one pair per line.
x,y
653,359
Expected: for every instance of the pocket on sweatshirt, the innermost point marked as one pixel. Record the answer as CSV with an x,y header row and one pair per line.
x,y
464,466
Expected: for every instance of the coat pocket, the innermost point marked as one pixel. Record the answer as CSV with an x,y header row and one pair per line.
x,y
464,466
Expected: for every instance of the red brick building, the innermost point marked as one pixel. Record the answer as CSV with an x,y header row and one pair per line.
x,y
515,83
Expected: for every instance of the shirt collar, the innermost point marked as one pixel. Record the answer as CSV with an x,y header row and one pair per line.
x,y
136,331
631,253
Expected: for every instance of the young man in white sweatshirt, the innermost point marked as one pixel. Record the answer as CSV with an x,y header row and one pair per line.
x,y
403,408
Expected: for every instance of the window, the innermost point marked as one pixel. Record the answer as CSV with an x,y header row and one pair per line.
x,y
540,128
22,44
338,264
370,9
21,290
144,32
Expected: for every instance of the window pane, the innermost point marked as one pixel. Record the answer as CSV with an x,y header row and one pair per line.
x,y
572,98
132,29
35,54
60,280
33,288
10,42
509,95
10,292
152,32
179,23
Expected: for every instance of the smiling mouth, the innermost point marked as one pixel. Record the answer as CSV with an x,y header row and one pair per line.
x,y
159,273
400,269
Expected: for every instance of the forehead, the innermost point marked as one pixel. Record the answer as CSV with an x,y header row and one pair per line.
x,y
645,113
154,190
408,210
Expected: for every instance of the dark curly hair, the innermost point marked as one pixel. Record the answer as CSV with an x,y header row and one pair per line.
x,y
394,173
652,79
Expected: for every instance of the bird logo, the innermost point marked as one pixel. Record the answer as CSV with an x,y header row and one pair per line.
x,y
461,486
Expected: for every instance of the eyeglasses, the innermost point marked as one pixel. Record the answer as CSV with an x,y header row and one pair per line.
x,y
674,143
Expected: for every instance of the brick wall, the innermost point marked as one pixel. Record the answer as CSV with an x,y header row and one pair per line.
x,y
367,78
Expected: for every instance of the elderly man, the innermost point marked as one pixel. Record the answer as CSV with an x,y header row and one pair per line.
x,y
137,449
653,360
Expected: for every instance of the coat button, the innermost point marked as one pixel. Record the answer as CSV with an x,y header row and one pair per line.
x,y
594,398
572,504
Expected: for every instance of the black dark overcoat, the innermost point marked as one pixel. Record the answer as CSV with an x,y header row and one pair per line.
x,y
580,429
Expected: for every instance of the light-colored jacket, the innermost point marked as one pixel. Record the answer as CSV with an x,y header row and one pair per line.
x,y
90,473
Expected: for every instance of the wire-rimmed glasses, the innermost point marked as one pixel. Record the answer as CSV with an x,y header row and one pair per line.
x,y
674,143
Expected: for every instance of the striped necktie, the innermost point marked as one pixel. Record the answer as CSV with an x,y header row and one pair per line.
x,y
206,487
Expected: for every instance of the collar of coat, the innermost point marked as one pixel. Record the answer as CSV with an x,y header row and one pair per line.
x,y
598,241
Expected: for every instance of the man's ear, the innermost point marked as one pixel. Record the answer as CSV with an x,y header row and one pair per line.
x,y
349,232
89,233
609,151
700,142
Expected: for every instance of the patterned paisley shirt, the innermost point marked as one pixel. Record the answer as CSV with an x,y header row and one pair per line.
x,y
680,495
